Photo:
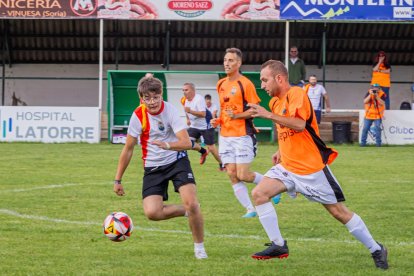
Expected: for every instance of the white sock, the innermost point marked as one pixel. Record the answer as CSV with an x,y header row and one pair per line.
x,y
359,230
242,194
258,177
268,218
199,246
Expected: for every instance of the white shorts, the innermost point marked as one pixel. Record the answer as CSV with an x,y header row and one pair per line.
x,y
321,186
237,150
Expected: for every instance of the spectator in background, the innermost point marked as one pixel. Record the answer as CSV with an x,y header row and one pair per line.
x,y
297,70
315,92
212,107
374,108
381,74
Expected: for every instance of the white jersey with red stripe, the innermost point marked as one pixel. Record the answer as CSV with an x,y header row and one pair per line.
x,y
161,126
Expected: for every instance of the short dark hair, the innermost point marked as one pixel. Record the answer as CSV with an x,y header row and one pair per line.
x,y
276,67
149,84
236,51
207,97
190,84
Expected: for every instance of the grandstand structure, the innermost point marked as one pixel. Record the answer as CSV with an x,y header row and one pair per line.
x,y
55,62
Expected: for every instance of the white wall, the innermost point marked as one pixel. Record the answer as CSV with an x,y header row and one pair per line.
x,y
85,92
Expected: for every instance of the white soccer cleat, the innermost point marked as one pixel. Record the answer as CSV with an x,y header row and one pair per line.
x,y
200,254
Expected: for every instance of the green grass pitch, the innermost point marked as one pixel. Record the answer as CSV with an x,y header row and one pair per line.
x,y
54,198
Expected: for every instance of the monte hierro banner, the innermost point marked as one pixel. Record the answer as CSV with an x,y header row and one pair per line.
x,y
376,10
211,10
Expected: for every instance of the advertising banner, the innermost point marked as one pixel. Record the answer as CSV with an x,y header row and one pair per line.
x,y
397,127
190,9
143,9
211,10
48,9
49,124
347,10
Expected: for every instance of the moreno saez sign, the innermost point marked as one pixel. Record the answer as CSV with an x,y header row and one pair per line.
x,y
49,124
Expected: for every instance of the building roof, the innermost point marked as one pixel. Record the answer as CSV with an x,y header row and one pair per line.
x,y
198,42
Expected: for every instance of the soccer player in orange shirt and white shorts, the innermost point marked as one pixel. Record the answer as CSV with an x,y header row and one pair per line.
x,y
237,141
300,166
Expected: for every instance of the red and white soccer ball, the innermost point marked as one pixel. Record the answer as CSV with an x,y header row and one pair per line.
x,y
118,226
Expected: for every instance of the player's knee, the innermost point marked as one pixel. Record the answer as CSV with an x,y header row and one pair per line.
x,y
211,147
242,176
259,197
192,207
231,173
152,214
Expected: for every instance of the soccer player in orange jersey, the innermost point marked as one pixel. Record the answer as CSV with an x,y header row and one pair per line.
x,y
300,165
237,143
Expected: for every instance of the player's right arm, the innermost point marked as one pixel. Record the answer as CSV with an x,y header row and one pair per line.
x,y
294,123
123,163
183,142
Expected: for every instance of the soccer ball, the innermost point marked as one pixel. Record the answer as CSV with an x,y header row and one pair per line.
x,y
118,226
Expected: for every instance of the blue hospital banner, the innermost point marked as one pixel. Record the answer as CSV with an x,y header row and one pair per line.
x,y
370,10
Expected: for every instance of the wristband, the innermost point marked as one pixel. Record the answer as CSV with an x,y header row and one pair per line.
x,y
192,144
118,181
167,146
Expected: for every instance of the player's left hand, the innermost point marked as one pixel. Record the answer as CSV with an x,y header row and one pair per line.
x,y
187,109
119,189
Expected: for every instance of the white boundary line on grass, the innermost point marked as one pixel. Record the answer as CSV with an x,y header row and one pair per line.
x,y
226,236
53,186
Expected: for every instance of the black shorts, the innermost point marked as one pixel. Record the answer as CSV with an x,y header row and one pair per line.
x,y
208,135
155,181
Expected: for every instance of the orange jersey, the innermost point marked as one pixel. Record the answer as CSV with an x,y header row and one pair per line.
x,y
374,110
235,95
301,152
383,79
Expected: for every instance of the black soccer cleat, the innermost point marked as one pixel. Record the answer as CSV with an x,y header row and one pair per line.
x,y
380,257
273,251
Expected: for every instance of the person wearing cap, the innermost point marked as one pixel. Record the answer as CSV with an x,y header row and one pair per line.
x,y
374,102
381,75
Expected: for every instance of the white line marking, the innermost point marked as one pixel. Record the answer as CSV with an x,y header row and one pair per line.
x,y
225,236
53,186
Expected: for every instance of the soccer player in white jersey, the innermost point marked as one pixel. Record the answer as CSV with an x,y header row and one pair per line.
x,y
198,118
315,93
212,107
164,141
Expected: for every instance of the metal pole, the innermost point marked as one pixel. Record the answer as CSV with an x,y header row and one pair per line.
x,y
323,61
101,24
3,79
117,41
287,45
101,28
324,53
167,46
